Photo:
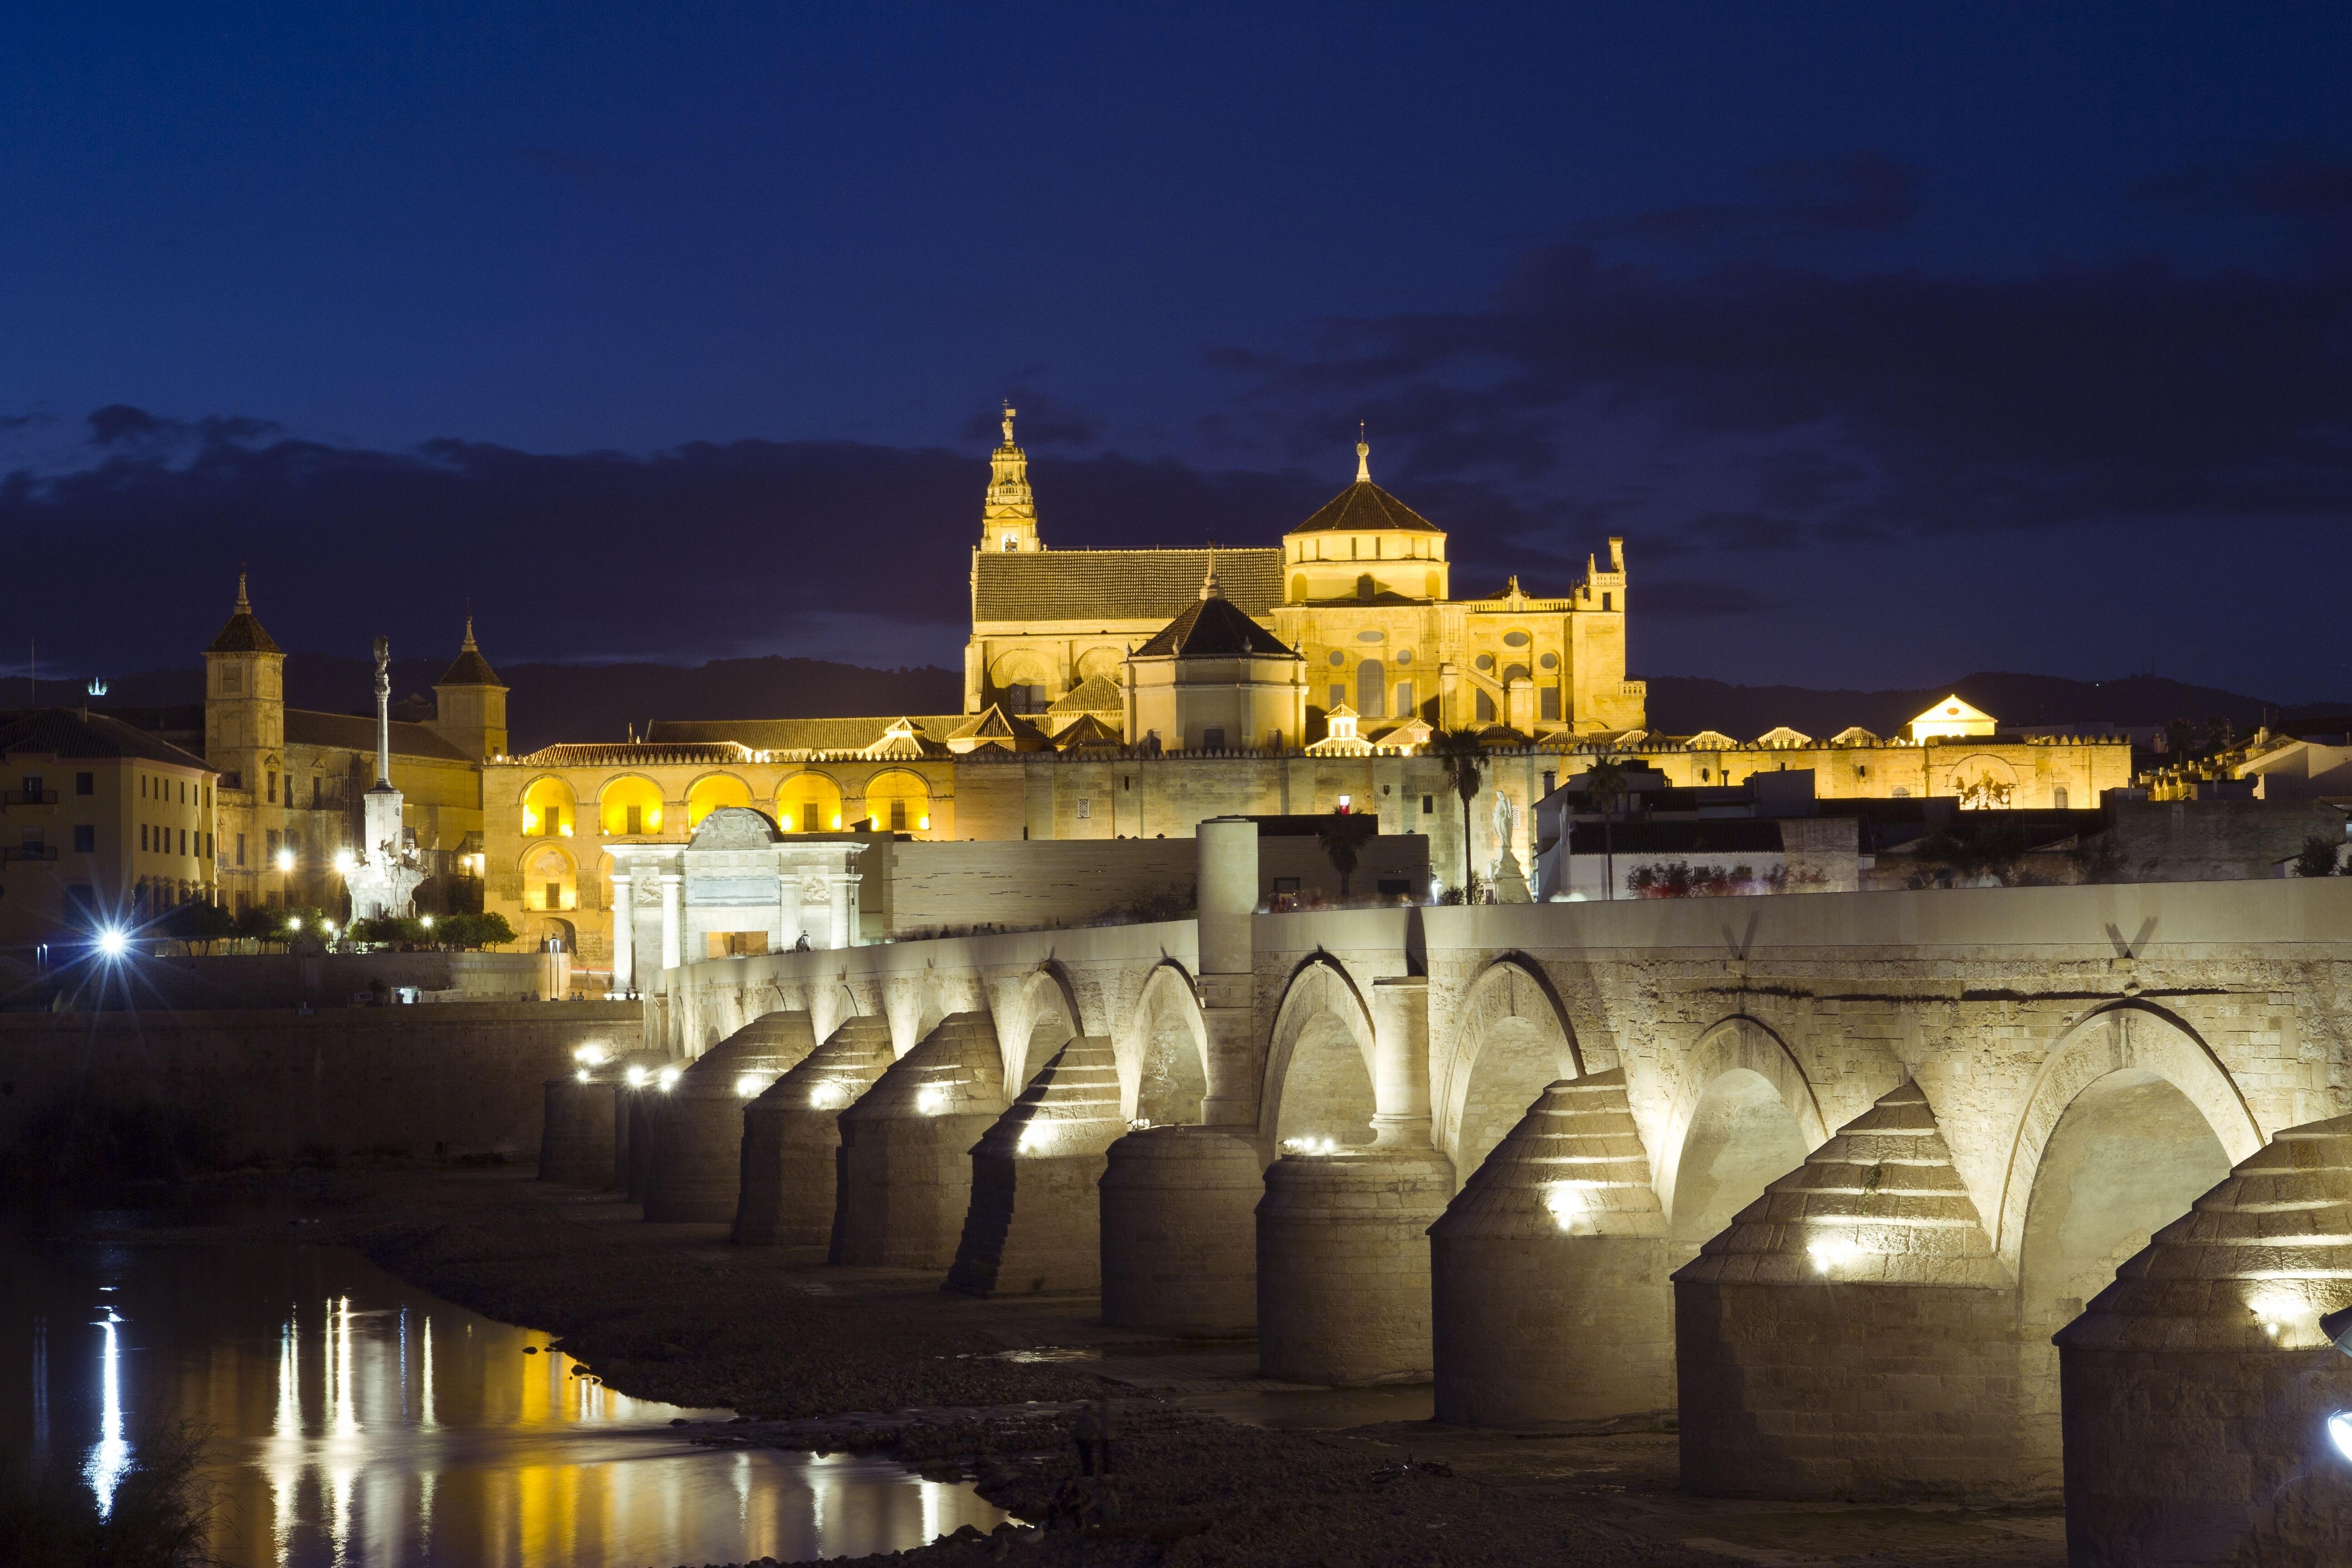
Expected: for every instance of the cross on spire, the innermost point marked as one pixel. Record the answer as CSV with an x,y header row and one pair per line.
x,y
1363,455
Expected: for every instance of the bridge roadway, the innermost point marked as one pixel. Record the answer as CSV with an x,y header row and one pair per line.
x,y
1890,1143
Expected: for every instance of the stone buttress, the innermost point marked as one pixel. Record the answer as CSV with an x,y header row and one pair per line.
x,y
695,1171
582,1141
1035,1222
1547,1273
1851,1333
2201,1396
905,1147
792,1138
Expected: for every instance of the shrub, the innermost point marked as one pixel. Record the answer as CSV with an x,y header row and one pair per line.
x,y
160,1508
2318,857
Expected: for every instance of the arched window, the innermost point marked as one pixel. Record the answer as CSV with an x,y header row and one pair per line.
x,y
709,792
630,805
549,882
549,810
898,802
808,803
1371,689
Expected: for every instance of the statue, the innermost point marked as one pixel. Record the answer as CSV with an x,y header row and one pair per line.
x,y
1504,876
384,877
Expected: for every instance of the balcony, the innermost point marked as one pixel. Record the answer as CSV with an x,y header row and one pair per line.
x,y
26,852
28,797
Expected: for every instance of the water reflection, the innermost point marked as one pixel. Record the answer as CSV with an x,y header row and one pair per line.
x,y
356,1421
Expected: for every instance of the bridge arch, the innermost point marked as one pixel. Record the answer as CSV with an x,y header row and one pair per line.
x,y
2130,1120
1163,1071
1037,1017
1511,1038
1745,1117
1318,1062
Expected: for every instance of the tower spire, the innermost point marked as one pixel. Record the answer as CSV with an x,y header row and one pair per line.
x,y
1009,516
1363,455
1209,589
244,605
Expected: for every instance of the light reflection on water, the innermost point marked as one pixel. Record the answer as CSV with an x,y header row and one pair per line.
x,y
357,1421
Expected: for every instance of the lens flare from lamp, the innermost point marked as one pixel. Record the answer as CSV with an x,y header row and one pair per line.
x,y
637,1076
930,1101
593,1054
112,942
748,1084
427,922
343,862
295,924
2339,1429
581,1074
1831,1253
286,859
669,1076
1565,1201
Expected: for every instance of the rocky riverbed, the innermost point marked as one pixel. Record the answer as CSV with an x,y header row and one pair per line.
x,y
835,1359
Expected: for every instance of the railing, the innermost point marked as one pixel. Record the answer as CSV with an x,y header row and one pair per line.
x,y
28,797
28,852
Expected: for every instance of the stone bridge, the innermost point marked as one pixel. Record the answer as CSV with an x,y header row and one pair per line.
x,y
1825,1171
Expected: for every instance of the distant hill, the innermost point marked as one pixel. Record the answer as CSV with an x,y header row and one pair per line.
x,y
552,702
1680,704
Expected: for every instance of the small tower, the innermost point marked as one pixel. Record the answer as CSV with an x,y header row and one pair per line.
x,y
245,704
469,703
1009,517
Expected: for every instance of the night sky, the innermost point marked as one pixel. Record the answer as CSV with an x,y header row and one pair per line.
x,y
1898,341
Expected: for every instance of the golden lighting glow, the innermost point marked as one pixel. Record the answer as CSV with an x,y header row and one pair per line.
x,y
748,1084
2290,1321
932,1099
669,1076
637,1076
708,794
1310,1145
344,862
1566,1202
829,1096
1833,1253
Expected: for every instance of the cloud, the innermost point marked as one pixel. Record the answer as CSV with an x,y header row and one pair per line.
x,y
1689,598
1863,193
1045,421
2297,181
1747,531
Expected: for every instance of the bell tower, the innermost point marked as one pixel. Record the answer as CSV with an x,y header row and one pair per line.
x,y
470,702
245,704
1009,516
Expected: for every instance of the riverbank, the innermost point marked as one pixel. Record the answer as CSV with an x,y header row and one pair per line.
x,y
879,1360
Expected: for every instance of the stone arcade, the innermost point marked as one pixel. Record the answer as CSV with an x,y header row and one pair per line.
x,y
1827,1172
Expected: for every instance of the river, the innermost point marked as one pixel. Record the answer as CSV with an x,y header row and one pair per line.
x,y
354,1420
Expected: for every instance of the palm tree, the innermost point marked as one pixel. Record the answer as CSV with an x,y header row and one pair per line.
x,y
1464,756
1604,785
1343,835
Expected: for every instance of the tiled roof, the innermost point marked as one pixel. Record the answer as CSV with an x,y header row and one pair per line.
x,y
243,635
1363,507
1094,694
469,668
796,734
1116,584
630,753
992,726
67,732
1213,628
356,732
1089,732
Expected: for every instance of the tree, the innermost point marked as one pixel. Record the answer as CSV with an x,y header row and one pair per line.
x,y
1605,785
205,923
1343,836
2319,857
1464,756
474,930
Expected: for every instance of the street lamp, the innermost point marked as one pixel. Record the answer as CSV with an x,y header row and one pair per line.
x,y
286,857
343,862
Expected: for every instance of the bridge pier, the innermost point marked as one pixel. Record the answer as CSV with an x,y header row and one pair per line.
x,y
1036,1222
576,1130
1851,1335
1177,1251
695,1171
2200,1390
906,1171
791,1139
1548,1273
1342,1250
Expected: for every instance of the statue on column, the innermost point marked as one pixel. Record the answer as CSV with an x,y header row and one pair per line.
x,y
1504,876
384,877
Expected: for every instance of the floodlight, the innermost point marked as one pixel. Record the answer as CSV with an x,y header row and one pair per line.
x,y
286,859
112,942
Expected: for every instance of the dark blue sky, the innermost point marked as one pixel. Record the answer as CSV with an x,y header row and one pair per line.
x,y
1898,341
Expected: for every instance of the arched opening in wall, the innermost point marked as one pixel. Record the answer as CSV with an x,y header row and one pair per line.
x,y
1101,661
1172,1081
711,792
1326,1089
1049,1031
2128,1157
630,805
549,810
808,803
562,933
550,881
1022,682
1742,1138
1371,689
1516,1061
899,801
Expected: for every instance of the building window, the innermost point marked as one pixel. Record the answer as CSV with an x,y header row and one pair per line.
x,y
1285,885
85,783
554,897
1862,770
1551,703
898,816
1087,809
142,835
1371,689
32,790
184,841
1552,781
1605,601
1212,738
85,839
273,786
240,848
809,820
2058,797
1428,806
1704,775
634,820
317,785
208,847
1404,698
270,841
